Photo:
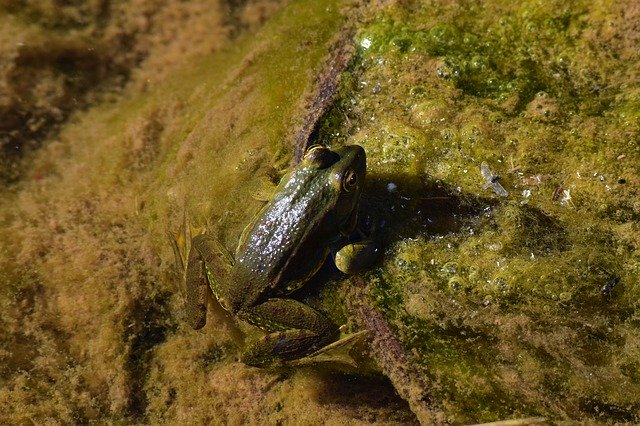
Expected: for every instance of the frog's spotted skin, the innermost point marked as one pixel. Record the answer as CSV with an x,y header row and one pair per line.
x,y
284,245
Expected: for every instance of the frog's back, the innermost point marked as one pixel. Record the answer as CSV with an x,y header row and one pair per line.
x,y
289,238
292,225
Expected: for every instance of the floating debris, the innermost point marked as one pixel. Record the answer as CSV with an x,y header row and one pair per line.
x,y
609,286
566,198
562,195
492,180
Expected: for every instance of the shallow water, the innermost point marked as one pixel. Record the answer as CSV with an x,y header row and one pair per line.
x,y
499,307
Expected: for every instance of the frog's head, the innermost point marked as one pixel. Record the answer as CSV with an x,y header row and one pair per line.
x,y
344,171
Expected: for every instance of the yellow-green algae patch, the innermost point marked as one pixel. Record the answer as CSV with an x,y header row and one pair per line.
x,y
92,323
57,58
517,306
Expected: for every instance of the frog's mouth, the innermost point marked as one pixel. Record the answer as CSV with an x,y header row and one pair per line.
x,y
352,175
348,226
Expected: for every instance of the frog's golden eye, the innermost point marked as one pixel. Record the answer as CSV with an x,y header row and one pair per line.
x,y
350,181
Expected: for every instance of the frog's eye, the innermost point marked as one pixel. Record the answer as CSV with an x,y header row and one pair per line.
x,y
350,181
320,156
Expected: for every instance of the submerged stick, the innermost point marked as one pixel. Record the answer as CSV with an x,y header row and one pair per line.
x,y
393,359
324,92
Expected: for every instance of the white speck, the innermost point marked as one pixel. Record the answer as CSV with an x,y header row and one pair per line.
x,y
391,187
526,193
566,198
365,43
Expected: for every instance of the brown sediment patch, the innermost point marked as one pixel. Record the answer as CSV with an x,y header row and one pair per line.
x,y
55,59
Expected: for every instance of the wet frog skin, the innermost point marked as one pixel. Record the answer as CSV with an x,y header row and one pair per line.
x,y
313,208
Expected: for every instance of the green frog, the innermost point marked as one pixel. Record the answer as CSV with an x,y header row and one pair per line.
x,y
313,209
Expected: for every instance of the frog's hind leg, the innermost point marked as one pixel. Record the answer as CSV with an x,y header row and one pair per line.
x,y
197,289
207,263
296,330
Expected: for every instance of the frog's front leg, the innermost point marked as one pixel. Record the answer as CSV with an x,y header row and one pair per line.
x,y
208,262
296,330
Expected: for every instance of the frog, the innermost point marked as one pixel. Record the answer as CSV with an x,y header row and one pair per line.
x,y
313,211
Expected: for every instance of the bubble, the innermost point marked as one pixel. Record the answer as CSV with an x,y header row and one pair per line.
x,y
450,268
457,283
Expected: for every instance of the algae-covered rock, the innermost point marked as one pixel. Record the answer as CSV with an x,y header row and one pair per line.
x,y
483,307
517,306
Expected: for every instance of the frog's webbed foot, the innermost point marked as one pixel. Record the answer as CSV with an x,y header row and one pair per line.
x,y
207,262
296,330
339,353
181,245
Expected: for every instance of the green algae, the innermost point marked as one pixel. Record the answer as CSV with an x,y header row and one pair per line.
x,y
503,308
